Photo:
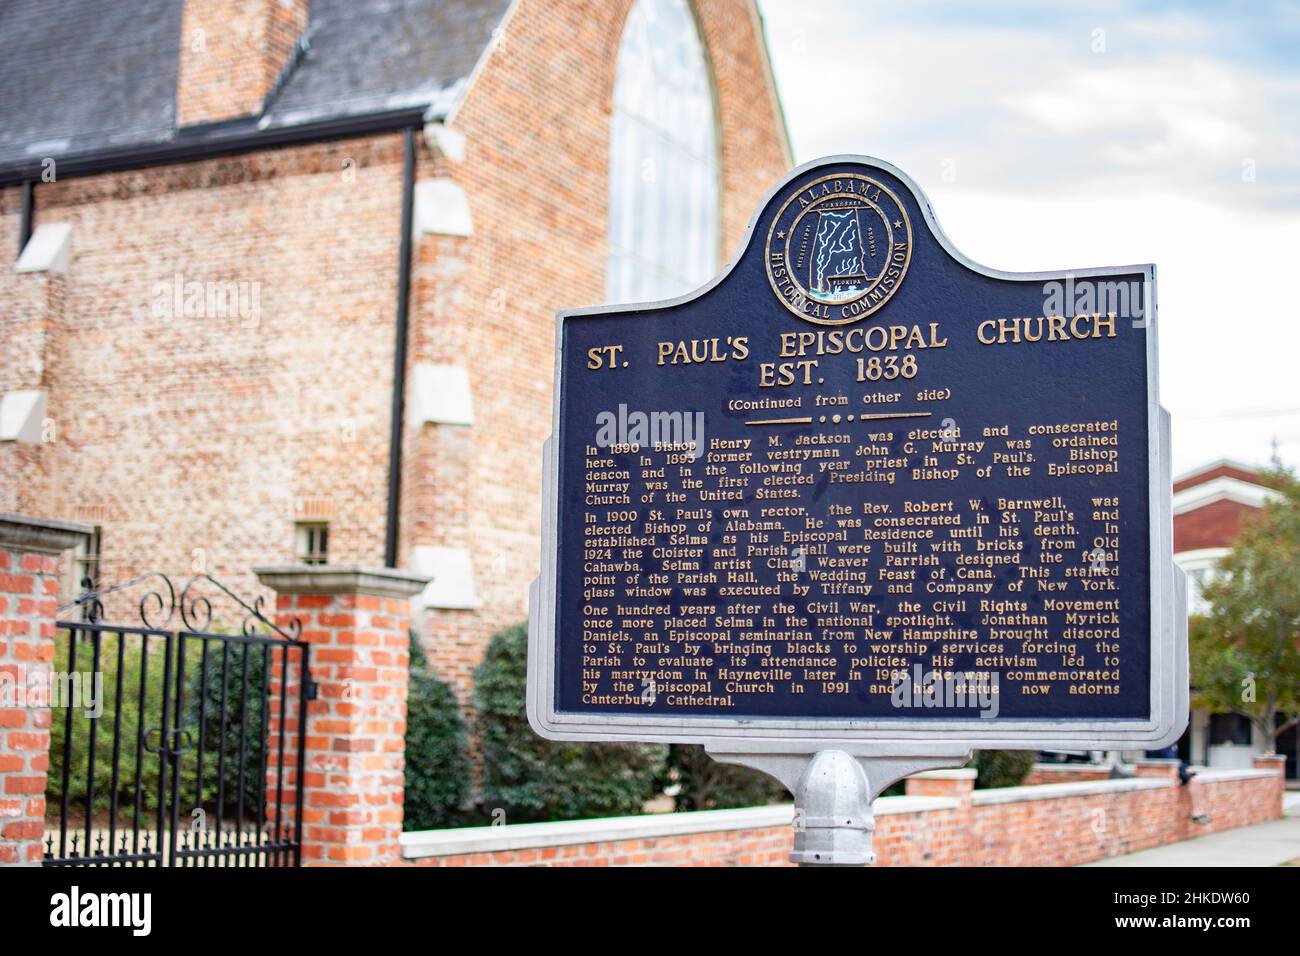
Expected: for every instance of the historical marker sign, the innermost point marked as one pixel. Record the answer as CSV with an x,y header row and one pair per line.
x,y
860,490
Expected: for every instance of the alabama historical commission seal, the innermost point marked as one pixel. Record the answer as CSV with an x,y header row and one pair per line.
x,y
838,249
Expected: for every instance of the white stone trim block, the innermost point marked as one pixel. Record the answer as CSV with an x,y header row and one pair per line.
x,y
443,139
440,395
22,416
1059,791
452,572
48,250
442,209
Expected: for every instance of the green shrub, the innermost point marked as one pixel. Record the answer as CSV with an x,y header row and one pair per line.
x,y
706,784
1002,768
226,666
437,769
124,712
533,779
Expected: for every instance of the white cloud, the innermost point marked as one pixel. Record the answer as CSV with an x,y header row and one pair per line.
x,y
1034,108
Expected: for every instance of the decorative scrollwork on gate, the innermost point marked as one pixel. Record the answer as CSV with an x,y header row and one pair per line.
x,y
155,611
196,612
158,604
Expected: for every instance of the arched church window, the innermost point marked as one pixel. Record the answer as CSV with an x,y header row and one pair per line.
x,y
664,215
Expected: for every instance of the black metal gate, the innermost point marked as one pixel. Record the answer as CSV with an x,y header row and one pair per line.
x,y
175,747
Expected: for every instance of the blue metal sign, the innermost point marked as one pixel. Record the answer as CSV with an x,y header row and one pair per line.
x,y
860,486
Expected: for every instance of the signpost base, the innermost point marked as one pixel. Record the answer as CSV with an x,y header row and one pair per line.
x,y
833,793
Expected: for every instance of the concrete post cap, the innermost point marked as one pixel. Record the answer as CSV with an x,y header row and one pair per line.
x,y
961,773
341,579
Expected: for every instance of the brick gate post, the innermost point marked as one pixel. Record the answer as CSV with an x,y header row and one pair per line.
x,y
1277,764
963,846
356,621
29,601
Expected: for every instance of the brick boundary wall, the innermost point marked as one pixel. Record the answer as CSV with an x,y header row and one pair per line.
x,y
943,821
357,622
29,588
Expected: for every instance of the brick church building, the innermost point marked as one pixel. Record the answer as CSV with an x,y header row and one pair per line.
x,y
285,272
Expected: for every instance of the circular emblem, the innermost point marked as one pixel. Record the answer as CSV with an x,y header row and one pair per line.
x,y
838,249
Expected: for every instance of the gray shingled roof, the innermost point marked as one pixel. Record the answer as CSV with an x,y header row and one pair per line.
x,y
366,56
80,76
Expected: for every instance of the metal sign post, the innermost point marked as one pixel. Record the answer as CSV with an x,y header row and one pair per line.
x,y
833,794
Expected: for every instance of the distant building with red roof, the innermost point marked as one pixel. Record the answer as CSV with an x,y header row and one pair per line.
x,y
1209,504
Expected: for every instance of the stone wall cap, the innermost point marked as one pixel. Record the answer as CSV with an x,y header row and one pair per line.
x,y
341,579
46,535
961,773
525,836
1249,773
1060,791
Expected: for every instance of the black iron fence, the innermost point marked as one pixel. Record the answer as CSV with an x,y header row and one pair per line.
x,y
175,746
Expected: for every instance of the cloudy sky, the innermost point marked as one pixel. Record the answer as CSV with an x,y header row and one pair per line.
x,y
1054,136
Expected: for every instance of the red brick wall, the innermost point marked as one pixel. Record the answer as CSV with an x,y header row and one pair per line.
x,y
537,125
28,589
231,53
195,439
1078,829
1060,830
32,307
759,847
